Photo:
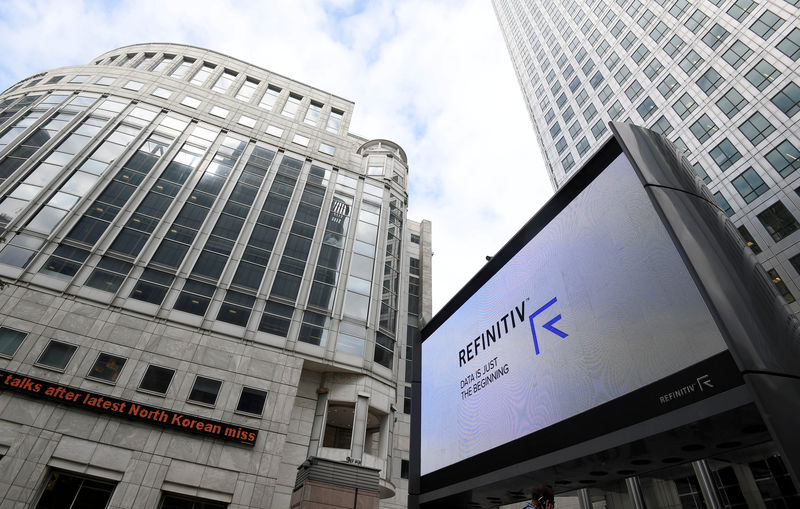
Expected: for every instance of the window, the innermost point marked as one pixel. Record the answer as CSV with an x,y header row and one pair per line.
x,y
741,9
691,62
219,111
56,355
202,74
596,80
766,24
749,240
715,36
313,114
653,69
737,54
725,154
731,103
182,69
171,501
582,146
72,491
640,54
605,94
790,45
612,60
80,78
152,286
778,221
709,81
678,8
339,425
645,19
696,21
575,130
646,108
274,131
133,85
756,128
10,340
795,261
156,379
780,286
662,126
247,90
750,185
598,129
762,75
785,158
291,106
205,390
404,467
633,90
684,105
590,112
788,99
659,31
623,74
701,172
414,238
723,203
561,145
107,367
628,41
106,80
190,102
581,97
384,350
224,81
568,163
673,46
251,401
269,98
703,128
667,86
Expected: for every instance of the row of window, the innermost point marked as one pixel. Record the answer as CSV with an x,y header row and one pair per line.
x,y
201,74
107,368
65,490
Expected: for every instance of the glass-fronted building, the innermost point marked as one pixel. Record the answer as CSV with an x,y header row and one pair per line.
x,y
718,78
209,280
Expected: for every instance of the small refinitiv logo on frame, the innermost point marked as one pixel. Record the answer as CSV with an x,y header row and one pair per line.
x,y
548,325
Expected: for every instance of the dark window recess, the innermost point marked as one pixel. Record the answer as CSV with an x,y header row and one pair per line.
x,y
205,390
780,286
749,240
69,491
384,350
276,319
107,367
236,308
152,286
778,221
56,354
10,340
156,379
171,501
251,401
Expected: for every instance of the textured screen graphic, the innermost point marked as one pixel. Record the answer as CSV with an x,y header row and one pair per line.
x,y
603,295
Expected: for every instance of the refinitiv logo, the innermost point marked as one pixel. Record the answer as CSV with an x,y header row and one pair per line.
x,y
548,325
508,322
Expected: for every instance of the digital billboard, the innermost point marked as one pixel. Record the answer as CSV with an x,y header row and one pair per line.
x,y
597,305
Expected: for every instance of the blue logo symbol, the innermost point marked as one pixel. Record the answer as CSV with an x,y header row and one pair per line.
x,y
547,326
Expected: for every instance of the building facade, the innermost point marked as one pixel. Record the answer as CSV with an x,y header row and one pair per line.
x,y
719,78
209,286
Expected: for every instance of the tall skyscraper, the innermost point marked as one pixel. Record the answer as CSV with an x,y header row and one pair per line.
x,y
719,78
210,282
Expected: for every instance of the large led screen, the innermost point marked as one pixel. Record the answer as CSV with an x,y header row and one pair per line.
x,y
596,305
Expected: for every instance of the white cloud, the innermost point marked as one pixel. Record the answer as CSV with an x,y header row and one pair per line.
x,y
433,76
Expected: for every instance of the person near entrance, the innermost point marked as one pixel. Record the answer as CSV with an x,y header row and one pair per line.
x,y
541,498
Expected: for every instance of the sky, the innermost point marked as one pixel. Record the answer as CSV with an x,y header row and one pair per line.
x,y
433,76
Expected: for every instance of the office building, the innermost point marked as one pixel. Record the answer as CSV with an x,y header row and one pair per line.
x,y
719,78
209,284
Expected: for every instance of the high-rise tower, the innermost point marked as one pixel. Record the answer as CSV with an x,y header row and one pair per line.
x,y
719,78
210,284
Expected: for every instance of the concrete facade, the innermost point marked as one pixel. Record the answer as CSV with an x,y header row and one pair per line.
x,y
176,216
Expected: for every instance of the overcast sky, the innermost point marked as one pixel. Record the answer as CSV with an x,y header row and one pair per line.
x,y
433,76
